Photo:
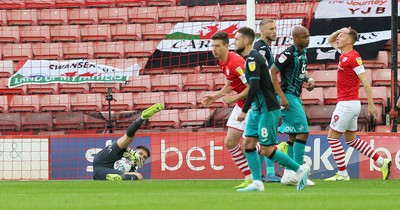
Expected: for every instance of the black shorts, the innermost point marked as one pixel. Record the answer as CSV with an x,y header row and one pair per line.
x,y
103,163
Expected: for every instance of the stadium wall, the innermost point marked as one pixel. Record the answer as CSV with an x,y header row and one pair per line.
x,y
175,155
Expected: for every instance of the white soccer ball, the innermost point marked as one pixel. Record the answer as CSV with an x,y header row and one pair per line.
x,y
123,165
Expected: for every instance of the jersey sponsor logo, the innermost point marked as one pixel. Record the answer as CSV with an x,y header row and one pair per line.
x,y
344,59
227,71
252,65
262,47
282,58
239,70
250,58
290,129
359,61
287,53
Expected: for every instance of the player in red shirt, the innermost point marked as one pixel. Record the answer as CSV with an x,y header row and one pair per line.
x,y
232,67
344,118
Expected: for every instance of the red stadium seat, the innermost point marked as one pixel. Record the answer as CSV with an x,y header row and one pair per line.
x,y
381,77
195,117
271,11
204,13
378,93
296,10
315,96
68,121
198,82
171,82
74,88
144,100
139,48
315,66
221,116
330,95
55,103
155,31
99,3
10,122
381,61
17,52
94,33
9,34
21,17
83,16
143,15
165,119
210,69
173,14
24,103
185,70
42,88
319,115
131,3
161,3
69,33
232,12
70,3
47,51
37,121
3,17
3,104
93,123
82,50
121,102
4,89
102,87
6,69
180,100
113,15
126,32
34,33
217,104
219,81
86,102
141,83
109,50
53,17
324,78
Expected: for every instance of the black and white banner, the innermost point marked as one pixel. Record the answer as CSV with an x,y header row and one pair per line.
x,y
353,8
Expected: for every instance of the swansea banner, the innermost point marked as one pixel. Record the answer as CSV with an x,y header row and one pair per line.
x,y
73,71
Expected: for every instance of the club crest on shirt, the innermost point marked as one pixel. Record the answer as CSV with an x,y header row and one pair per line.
x,y
282,58
344,59
227,71
239,70
359,61
252,65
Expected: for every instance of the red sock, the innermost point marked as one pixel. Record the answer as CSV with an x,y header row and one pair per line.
x,y
240,159
364,148
338,153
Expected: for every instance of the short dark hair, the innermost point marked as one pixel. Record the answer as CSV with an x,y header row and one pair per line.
x,y
145,149
246,31
353,34
221,35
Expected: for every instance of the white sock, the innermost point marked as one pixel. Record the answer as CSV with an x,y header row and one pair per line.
x,y
248,177
257,183
343,173
380,161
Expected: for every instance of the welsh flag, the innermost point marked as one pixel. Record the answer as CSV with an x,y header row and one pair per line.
x,y
189,44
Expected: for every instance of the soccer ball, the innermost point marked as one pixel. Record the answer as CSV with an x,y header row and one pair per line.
x,y
123,165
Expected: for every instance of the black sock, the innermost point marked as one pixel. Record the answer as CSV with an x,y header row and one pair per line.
x,y
129,177
133,127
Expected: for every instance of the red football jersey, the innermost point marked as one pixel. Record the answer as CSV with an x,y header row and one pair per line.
x,y
233,69
350,65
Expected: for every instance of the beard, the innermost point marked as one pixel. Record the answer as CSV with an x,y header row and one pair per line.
x,y
239,50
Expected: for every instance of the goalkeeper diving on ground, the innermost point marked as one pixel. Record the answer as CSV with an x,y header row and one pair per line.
x,y
117,161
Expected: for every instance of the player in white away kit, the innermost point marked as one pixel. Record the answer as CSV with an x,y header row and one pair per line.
x,y
344,118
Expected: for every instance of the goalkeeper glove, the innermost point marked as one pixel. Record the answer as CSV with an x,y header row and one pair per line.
x,y
134,157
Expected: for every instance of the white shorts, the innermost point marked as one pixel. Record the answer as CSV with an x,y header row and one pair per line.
x,y
345,116
233,122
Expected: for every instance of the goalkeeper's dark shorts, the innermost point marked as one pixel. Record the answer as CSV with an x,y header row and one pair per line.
x,y
103,163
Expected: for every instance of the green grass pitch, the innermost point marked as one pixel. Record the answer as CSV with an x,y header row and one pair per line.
x,y
196,194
